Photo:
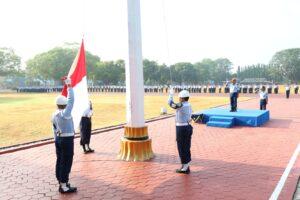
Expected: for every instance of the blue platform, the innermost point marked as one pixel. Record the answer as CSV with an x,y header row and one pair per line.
x,y
224,122
219,117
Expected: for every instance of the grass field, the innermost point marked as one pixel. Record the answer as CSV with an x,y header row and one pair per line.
x,y
26,117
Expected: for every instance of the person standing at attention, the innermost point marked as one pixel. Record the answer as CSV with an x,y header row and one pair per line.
x,y
287,91
86,129
263,95
233,89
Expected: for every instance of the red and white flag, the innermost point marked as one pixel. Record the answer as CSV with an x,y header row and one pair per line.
x,y
78,75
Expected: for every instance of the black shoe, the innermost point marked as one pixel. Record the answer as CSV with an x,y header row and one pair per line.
x,y
180,171
69,190
84,149
90,150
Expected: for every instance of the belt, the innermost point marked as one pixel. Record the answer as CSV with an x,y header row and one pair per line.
x,y
65,135
181,124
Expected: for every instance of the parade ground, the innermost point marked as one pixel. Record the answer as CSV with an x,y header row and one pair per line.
x,y
237,163
28,115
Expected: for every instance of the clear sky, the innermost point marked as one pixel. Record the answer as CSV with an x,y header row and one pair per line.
x,y
245,31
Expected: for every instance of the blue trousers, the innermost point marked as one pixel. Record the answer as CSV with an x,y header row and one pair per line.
x,y
64,157
287,93
263,104
85,130
183,139
233,101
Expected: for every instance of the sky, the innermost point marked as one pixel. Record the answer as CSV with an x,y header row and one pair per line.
x,y
244,31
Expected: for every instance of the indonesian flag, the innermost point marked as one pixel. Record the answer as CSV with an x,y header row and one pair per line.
x,y
77,74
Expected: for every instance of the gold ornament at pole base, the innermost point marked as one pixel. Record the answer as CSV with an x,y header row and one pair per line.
x,y
135,145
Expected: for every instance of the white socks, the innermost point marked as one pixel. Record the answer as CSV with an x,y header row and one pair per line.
x,y
87,147
64,186
185,166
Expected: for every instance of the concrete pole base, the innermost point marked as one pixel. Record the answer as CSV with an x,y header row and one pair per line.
x,y
135,145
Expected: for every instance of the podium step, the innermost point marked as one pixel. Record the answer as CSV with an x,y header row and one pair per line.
x,y
220,124
221,119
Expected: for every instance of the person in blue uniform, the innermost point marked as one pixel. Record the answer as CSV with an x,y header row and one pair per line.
x,y
263,96
63,129
234,93
184,130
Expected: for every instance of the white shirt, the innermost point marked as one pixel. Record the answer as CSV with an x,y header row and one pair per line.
x,y
233,88
287,87
263,95
88,113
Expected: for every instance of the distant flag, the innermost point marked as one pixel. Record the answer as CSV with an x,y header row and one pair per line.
x,y
78,74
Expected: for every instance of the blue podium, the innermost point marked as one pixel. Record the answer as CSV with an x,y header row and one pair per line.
x,y
219,117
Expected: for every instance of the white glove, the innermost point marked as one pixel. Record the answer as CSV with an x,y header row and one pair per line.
x,y
171,92
68,81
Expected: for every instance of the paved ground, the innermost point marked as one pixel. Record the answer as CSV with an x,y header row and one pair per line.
x,y
237,163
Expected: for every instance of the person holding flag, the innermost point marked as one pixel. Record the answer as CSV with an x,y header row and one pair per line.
x,y
71,104
63,129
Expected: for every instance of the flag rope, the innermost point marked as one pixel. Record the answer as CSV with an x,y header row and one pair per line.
x,y
167,40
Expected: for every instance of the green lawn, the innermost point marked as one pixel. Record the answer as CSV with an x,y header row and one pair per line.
x,y
26,117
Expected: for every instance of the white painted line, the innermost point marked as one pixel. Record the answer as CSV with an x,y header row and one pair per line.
x,y
285,174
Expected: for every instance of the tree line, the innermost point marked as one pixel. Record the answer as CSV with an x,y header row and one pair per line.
x,y
47,68
53,64
284,67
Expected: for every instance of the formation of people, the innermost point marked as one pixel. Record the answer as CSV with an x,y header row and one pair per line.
x,y
245,89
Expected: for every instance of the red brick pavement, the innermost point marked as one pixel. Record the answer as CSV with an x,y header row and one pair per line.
x,y
237,163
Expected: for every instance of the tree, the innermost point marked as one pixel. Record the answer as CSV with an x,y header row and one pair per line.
x,y
287,63
223,69
151,72
10,62
164,75
55,63
206,69
111,72
184,73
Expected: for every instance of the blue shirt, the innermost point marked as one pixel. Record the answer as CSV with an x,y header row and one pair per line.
x,y
62,118
183,111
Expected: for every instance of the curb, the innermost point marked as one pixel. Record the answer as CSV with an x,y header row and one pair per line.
x,y
38,143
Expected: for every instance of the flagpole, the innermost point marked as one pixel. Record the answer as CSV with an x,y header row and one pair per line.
x,y
135,144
